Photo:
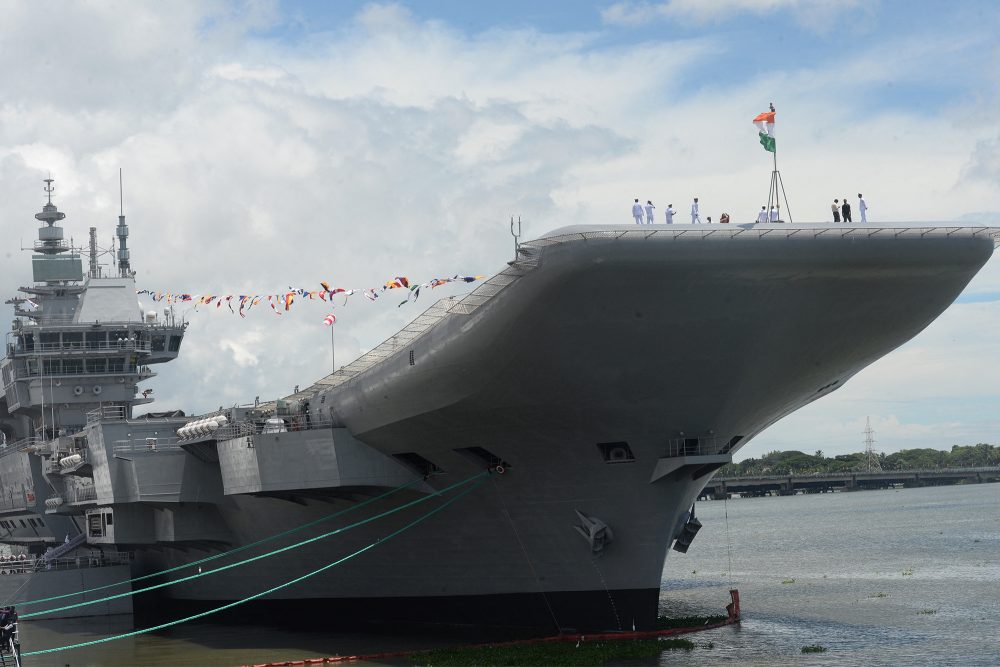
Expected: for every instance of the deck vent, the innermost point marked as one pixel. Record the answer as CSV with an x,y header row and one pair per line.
x,y
482,456
733,441
616,452
417,463
411,357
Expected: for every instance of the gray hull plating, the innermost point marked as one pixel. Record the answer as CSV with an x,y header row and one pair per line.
x,y
682,346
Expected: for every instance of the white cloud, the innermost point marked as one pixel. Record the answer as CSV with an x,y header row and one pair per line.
x,y
394,145
818,14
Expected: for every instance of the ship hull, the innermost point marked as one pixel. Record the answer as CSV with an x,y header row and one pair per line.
x,y
680,349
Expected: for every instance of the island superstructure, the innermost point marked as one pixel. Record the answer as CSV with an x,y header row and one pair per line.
x,y
600,378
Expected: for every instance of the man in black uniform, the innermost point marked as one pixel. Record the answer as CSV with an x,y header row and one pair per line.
x,y
845,209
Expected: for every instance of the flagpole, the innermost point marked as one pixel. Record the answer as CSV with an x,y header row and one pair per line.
x,y
333,351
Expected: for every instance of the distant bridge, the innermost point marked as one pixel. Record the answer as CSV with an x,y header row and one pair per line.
x,y
786,485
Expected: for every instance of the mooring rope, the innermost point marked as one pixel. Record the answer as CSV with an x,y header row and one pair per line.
x,y
230,551
279,587
245,561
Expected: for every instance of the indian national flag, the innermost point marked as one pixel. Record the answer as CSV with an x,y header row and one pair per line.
x,y
765,128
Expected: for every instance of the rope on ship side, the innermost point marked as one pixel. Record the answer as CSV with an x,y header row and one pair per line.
x,y
274,589
230,552
268,554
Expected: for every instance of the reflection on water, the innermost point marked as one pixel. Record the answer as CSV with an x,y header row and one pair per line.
x,y
906,577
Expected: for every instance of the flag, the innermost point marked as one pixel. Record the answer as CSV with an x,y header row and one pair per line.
x,y
765,129
329,319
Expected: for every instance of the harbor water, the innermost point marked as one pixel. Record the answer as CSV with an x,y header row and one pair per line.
x,y
893,577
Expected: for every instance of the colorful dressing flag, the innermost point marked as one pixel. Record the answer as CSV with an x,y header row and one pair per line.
x,y
765,129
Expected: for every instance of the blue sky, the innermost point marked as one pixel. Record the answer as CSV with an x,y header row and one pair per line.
x,y
271,144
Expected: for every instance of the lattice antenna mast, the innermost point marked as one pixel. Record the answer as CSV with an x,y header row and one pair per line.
x,y
124,266
871,456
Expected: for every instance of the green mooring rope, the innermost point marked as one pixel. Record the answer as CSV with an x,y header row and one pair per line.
x,y
289,547
225,553
262,593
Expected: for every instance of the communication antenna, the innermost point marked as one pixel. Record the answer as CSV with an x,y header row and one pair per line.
x,y
871,456
124,268
516,235
93,252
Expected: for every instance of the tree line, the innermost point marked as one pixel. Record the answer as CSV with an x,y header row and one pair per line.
x,y
794,462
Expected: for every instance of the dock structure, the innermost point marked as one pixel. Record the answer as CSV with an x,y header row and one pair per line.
x,y
787,485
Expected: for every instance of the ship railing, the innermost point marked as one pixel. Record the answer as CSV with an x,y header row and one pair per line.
x,y
102,559
243,429
107,413
83,346
21,445
692,446
815,230
146,445
62,371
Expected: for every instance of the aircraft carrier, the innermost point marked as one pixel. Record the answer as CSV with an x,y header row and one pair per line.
x,y
589,390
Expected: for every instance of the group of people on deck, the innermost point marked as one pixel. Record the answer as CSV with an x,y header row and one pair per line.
x,y
644,213
843,210
648,209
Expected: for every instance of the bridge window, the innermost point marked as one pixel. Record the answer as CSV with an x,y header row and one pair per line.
x,y
95,340
73,366
175,343
72,339
97,365
158,343
52,366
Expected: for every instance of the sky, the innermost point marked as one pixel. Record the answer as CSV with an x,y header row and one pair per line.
x,y
267,145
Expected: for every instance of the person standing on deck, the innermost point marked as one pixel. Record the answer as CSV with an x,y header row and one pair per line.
x,y
862,209
637,212
845,210
649,212
669,213
695,216
835,207
762,216
772,215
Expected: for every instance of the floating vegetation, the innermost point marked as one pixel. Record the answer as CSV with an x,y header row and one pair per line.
x,y
664,623
908,572
927,612
814,648
880,594
788,581
550,653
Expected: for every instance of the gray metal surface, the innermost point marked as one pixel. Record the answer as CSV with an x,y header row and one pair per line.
x,y
609,370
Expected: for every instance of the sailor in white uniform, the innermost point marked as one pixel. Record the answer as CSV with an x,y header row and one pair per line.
x,y
762,216
670,214
637,212
649,212
774,214
695,217
863,207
